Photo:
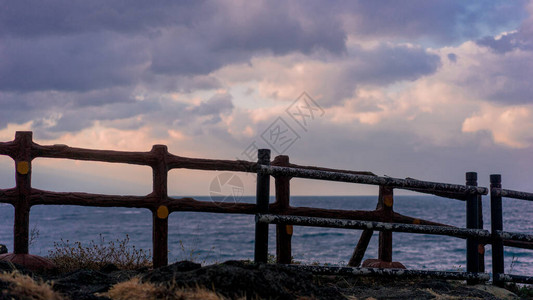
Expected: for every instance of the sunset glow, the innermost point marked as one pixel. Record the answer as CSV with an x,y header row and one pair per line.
x,y
401,93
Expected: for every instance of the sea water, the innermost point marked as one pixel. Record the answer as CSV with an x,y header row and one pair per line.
x,y
210,238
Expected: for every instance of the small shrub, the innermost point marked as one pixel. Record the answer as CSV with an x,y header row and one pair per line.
x,y
24,287
34,234
69,257
522,291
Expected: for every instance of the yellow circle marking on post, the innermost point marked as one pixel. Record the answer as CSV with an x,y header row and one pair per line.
x,y
162,212
23,167
416,221
288,229
388,201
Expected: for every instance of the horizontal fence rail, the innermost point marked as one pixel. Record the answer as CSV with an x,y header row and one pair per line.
x,y
513,194
513,278
514,236
380,226
333,270
374,180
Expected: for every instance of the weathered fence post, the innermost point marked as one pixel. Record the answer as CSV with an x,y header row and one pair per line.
x,y
481,247
262,201
160,211
472,221
283,232
385,203
23,160
496,221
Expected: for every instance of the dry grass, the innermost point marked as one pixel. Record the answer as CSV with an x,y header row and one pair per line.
x,y
135,289
24,287
69,257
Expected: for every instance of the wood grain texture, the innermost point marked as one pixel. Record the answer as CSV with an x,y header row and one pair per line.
x,y
8,148
23,187
41,197
111,156
8,196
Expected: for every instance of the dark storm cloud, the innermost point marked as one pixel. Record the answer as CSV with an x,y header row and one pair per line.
x,y
452,57
236,33
84,45
389,63
57,17
59,112
508,42
70,63
215,105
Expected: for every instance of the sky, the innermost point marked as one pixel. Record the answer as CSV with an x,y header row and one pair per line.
x,y
421,89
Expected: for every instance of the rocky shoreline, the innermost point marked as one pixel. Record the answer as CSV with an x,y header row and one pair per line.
x,y
245,280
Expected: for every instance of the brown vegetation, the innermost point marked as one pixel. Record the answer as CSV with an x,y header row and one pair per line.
x,y
135,289
24,287
69,257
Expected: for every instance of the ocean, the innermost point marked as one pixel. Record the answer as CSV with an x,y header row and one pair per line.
x,y
210,238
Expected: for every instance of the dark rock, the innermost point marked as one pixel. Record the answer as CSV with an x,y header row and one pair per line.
x,y
82,284
8,267
236,279
167,273
377,263
108,268
29,261
3,249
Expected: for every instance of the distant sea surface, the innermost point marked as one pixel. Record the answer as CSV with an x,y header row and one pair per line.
x,y
209,238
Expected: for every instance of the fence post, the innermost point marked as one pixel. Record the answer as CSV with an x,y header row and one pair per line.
x,y
481,247
472,221
262,200
23,160
385,203
160,211
496,222
283,232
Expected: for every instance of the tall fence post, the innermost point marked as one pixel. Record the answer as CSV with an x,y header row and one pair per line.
x,y
262,201
23,160
496,222
481,246
472,222
283,232
385,203
160,211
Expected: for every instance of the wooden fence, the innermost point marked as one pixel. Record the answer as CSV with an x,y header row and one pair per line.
x,y
23,150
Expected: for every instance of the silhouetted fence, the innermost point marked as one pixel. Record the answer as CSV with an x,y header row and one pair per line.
x,y
23,150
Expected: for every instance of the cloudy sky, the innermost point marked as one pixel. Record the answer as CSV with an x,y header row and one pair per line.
x,y
423,89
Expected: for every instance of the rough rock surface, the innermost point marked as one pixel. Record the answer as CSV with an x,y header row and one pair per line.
x,y
377,263
234,279
32,262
